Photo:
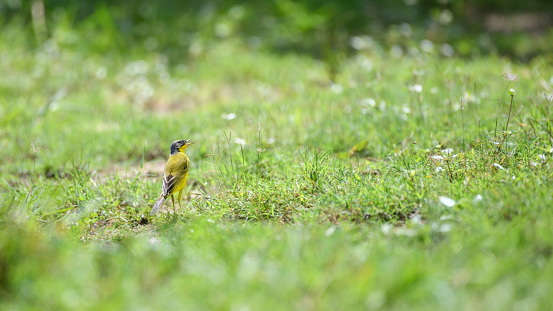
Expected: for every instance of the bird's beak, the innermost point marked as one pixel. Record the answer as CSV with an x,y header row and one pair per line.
x,y
188,142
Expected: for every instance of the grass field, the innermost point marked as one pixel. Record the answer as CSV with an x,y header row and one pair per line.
x,y
412,182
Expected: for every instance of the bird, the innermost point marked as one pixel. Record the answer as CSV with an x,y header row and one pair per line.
x,y
176,173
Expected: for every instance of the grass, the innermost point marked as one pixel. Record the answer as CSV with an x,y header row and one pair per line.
x,y
374,192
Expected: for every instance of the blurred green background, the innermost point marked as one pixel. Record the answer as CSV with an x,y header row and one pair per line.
x,y
322,29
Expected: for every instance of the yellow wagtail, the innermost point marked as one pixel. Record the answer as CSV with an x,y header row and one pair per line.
x,y
176,172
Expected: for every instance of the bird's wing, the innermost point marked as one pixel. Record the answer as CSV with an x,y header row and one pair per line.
x,y
175,170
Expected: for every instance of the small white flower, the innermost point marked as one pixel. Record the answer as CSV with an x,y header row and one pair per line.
x,y
101,73
222,30
510,76
230,116
357,43
447,50
405,231
386,228
405,29
240,141
368,102
447,201
512,92
396,51
417,88
445,17
445,228
447,151
330,231
336,88
416,219
498,166
478,198
439,169
427,46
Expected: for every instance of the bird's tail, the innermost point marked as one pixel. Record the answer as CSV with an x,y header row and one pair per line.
x,y
159,201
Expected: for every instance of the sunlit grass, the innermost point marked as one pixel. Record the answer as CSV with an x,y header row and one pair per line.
x,y
392,187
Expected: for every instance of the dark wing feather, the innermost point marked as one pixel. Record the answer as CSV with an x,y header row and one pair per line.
x,y
171,181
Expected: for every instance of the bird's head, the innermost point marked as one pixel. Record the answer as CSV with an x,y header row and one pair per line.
x,y
180,145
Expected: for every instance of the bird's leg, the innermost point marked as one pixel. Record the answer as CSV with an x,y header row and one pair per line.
x,y
173,200
180,193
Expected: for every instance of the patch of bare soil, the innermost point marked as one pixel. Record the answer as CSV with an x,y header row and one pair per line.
x,y
149,170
